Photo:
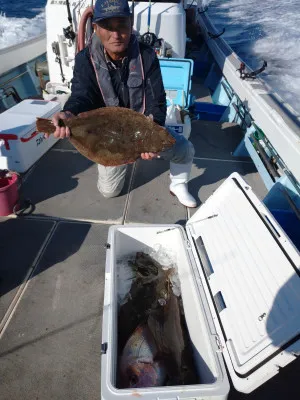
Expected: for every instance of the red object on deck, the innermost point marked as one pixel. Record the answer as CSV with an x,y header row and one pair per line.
x,y
9,194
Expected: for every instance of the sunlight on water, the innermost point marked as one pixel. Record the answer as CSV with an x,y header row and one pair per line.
x,y
17,30
269,32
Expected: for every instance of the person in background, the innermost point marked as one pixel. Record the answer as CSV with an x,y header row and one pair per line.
x,y
116,70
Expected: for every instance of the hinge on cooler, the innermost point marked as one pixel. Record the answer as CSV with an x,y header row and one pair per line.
x,y
188,244
219,344
103,348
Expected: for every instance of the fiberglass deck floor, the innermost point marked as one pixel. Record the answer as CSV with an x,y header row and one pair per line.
x,y
50,344
51,349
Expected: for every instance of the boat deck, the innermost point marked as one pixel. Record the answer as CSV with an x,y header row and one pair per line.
x,y
52,263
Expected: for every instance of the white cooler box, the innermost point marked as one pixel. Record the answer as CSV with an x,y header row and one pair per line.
x,y
240,287
20,145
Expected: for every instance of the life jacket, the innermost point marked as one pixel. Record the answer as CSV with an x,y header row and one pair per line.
x,y
135,81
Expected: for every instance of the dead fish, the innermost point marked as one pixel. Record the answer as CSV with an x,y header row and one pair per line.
x,y
112,136
164,323
145,266
138,365
142,295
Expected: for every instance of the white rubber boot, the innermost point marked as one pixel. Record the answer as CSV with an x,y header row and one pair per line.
x,y
179,175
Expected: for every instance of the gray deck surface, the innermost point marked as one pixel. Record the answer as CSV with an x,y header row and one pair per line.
x,y
64,144
215,139
67,188
50,349
20,242
200,92
150,200
207,175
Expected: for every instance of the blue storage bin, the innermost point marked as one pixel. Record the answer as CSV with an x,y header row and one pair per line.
x,y
201,68
208,111
177,79
289,222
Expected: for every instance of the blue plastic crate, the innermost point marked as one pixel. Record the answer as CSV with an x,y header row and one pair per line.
x,y
201,68
177,79
208,111
290,223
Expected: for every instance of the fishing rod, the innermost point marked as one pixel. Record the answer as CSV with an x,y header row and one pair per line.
x,y
69,32
149,15
149,37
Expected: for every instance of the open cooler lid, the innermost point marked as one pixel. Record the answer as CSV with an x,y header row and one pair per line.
x,y
250,272
176,75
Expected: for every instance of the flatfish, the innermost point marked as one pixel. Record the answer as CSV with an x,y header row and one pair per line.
x,y
142,296
112,136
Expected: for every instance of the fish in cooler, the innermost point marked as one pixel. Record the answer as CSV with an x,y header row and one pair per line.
x,y
149,276
153,318
139,365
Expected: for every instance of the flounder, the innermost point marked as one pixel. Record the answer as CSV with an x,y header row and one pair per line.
x,y
112,136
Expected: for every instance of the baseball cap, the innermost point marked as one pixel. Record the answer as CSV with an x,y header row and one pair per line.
x,y
110,8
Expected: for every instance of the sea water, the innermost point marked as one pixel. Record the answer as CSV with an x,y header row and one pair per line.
x,y
21,20
267,30
255,30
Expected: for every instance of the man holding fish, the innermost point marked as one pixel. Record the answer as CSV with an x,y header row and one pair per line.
x,y
116,70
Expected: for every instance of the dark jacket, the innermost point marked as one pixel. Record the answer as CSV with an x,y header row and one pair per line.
x,y
86,94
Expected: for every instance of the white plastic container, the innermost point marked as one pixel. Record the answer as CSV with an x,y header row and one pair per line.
x,y
52,89
168,21
240,285
20,144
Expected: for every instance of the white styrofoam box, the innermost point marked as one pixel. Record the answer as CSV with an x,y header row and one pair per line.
x,y
239,275
20,144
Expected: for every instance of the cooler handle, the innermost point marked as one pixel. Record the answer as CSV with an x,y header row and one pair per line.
x,y
6,137
201,250
24,140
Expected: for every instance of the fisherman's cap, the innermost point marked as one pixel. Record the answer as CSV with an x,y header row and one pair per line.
x,y
110,8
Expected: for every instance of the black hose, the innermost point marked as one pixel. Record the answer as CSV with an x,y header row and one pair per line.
x,y
132,14
69,12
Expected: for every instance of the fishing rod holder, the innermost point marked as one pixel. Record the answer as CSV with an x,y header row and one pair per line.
x,y
69,34
216,35
202,10
56,51
253,74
